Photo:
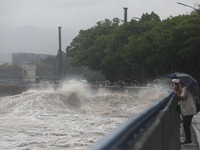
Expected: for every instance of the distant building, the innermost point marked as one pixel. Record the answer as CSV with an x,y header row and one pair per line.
x,y
19,58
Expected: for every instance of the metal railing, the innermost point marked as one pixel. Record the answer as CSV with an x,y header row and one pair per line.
x,y
157,128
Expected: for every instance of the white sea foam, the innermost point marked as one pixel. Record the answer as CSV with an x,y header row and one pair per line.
x,y
73,116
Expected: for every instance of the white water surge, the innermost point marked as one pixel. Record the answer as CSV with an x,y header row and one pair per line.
x,y
72,117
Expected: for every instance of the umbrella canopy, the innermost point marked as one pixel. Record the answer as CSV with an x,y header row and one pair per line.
x,y
188,80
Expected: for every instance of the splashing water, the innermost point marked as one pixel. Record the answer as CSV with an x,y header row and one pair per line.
x,y
73,116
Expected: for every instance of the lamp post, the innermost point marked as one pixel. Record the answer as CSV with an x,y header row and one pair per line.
x,y
187,6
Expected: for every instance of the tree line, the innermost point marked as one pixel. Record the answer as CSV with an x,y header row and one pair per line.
x,y
141,49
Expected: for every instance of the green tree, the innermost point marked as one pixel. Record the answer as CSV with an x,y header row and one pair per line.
x,y
175,44
140,49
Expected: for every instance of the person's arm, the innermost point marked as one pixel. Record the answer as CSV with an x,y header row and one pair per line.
x,y
183,94
178,93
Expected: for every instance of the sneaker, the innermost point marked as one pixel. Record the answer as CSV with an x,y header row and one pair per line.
x,y
187,142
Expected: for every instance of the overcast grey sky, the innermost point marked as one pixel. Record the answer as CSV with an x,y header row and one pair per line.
x,y
73,15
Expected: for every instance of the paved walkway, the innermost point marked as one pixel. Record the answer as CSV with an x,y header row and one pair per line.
x,y
195,134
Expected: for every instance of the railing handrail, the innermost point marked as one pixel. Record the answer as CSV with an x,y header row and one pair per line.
x,y
134,125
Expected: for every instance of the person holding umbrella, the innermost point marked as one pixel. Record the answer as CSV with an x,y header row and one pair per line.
x,y
188,109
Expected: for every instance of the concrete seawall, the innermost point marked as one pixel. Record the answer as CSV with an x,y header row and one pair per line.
x,y
6,90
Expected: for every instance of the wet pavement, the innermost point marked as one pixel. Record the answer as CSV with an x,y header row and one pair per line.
x,y
195,134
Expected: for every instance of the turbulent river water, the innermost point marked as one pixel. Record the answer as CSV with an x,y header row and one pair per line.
x,y
71,117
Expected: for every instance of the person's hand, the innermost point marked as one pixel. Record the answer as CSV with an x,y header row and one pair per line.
x,y
180,86
178,93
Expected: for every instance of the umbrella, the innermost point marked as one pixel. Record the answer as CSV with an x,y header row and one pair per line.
x,y
188,80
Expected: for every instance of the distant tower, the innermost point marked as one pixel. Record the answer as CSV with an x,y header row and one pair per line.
x,y
58,63
60,52
125,14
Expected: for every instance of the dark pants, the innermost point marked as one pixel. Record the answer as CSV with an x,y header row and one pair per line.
x,y
187,120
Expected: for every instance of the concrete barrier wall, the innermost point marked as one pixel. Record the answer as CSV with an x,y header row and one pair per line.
x,y
7,90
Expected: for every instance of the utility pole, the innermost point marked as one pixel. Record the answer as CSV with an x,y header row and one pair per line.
x,y
60,53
